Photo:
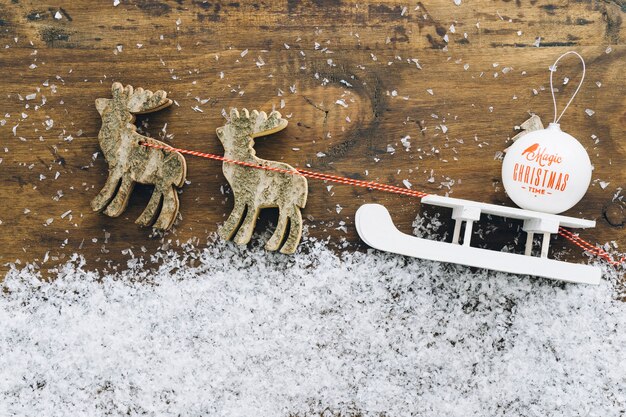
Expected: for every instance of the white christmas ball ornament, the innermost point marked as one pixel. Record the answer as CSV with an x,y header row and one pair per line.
x,y
546,170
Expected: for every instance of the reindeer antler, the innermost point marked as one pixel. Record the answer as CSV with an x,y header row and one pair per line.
x,y
261,123
139,100
530,125
145,101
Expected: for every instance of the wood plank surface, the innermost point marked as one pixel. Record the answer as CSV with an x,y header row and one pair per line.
x,y
353,79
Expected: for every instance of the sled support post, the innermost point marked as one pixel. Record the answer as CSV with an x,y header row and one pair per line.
x,y
468,214
457,231
545,226
529,243
545,245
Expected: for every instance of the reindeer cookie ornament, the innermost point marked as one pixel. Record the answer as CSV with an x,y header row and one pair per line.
x,y
255,189
130,162
547,170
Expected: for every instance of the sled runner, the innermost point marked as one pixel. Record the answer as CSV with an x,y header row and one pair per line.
x,y
375,227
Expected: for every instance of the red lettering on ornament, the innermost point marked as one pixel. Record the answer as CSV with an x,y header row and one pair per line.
x,y
535,153
540,180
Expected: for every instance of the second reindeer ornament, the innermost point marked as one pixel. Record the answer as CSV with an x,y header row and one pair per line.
x,y
256,189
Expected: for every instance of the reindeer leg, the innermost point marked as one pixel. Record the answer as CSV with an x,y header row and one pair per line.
x,y
169,210
119,203
247,227
228,229
295,231
106,194
149,213
279,233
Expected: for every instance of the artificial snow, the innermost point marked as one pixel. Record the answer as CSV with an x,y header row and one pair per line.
x,y
225,331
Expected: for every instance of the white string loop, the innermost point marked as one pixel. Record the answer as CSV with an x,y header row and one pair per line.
x,y
553,70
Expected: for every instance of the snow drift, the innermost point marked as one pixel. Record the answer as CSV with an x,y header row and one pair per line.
x,y
225,331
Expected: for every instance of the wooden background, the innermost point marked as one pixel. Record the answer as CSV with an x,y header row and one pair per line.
x,y
345,73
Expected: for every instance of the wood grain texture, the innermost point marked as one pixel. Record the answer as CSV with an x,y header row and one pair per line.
x,y
345,74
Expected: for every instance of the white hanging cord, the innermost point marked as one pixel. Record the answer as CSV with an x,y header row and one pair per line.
x,y
553,70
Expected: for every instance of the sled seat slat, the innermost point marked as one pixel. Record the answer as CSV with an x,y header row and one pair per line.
x,y
533,220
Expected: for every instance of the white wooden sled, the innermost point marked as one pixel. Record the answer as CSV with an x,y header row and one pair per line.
x,y
375,227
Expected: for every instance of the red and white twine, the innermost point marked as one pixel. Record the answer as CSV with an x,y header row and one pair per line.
x,y
574,238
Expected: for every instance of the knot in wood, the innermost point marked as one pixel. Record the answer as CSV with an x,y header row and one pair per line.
x,y
615,213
